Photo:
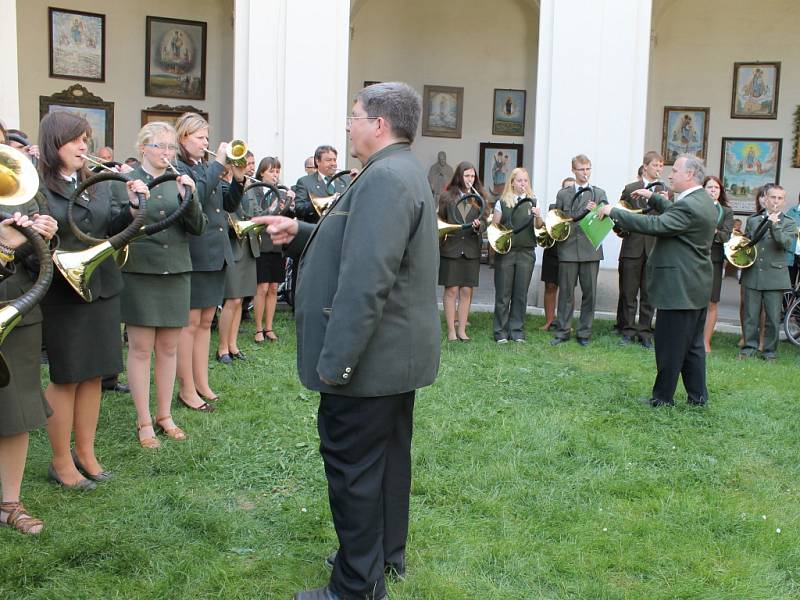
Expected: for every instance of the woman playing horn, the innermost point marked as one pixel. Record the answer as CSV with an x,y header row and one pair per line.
x,y
22,406
82,338
155,300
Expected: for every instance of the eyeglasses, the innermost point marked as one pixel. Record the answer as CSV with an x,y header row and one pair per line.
x,y
351,119
162,146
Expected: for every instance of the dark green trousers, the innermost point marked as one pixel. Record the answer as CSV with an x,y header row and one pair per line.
x,y
753,299
569,273
512,277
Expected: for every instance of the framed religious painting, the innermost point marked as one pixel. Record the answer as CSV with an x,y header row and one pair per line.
x,y
748,163
495,163
77,99
685,131
755,90
77,44
175,58
508,114
168,114
442,111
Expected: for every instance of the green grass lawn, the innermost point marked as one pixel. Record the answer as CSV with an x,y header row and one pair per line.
x,y
537,474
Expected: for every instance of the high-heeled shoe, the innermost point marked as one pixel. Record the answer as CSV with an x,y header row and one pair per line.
x,y
83,485
204,407
151,443
98,477
176,433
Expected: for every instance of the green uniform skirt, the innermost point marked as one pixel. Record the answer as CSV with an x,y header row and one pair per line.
x,y
207,288
22,404
150,300
240,278
461,271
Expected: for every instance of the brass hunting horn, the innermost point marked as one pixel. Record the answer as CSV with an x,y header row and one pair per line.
x,y
322,203
236,154
741,251
77,266
242,228
445,228
500,237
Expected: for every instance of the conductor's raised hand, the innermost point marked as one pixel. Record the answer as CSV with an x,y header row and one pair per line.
x,y
281,230
643,193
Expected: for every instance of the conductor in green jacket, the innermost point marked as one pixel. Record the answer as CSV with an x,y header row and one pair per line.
x,y
679,277
765,281
368,335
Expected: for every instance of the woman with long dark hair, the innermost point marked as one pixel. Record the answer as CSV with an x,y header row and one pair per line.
x,y
82,338
211,254
715,189
460,252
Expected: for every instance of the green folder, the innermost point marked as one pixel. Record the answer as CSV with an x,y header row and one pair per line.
x,y
595,228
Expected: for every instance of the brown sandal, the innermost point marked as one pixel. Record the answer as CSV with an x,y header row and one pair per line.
x,y
270,335
176,433
149,442
19,519
260,332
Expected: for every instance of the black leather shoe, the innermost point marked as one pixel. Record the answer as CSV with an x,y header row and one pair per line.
x,y
654,402
625,340
318,594
121,388
239,355
647,343
556,341
583,341
390,570
225,359
700,402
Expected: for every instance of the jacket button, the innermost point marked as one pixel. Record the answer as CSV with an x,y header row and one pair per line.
x,y
161,213
347,370
159,196
220,228
217,210
345,376
166,246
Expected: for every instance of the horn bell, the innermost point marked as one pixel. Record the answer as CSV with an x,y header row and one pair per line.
x,y
242,228
9,317
557,224
237,153
77,267
739,252
445,228
19,180
499,238
322,203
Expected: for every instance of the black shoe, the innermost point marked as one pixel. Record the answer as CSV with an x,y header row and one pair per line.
x,y
239,355
225,359
390,570
647,343
654,402
583,341
318,594
700,402
119,388
556,341
99,477
625,340
769,356
82,485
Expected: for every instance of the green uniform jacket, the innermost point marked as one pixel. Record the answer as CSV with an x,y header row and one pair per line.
x,y
248,208
97,216
577,247
679,271
769,272
634,245
314,185
723,234
366,309
512,220
466,242
166,251
211,250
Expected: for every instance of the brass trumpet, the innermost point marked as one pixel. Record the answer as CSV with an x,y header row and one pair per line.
x,y
236,154
321,204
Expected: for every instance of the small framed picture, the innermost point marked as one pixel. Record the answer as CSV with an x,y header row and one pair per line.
x,y
685,131
495,163
77,99
442,110
168,114
748,163
755,90
175,59
508,115
77,44
796,152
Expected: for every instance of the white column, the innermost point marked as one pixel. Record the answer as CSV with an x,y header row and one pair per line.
x,y
591,94
9,78
290,84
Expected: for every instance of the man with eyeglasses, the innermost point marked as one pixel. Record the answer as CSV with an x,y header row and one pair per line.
x,y
578,260
318,184
368,336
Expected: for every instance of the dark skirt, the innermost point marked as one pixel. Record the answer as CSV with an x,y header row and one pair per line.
x,y
207,288
150,300
83,341
459,272
716,286
240,278
550,265
270,268
22,404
